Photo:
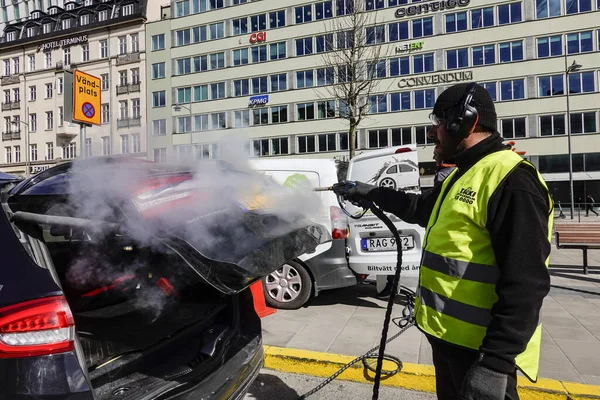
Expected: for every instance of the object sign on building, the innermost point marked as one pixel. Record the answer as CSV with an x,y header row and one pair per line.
x,y
257,37
86,98
408,47
258,100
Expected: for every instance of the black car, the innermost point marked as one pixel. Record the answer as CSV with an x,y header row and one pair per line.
x,y
132,290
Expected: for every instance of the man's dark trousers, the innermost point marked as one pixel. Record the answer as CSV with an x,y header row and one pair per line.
x,y
451,365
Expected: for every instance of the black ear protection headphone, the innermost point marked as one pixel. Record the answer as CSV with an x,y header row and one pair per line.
x,y
463,117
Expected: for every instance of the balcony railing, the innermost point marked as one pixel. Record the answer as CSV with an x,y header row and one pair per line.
x,y
13,105
129,122
128,58
9,80
14,135
129,88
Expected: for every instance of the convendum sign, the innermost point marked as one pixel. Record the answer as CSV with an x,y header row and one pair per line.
x,y
436,79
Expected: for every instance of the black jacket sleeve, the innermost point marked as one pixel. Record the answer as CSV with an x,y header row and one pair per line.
x,y
411,208
518,224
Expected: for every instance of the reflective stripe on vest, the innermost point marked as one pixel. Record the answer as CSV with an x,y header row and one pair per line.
x,y
458,270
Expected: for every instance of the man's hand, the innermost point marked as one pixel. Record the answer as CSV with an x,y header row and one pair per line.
x,y
482,383
354,191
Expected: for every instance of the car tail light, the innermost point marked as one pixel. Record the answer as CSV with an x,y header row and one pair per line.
x,y
339,223
403,150
36,327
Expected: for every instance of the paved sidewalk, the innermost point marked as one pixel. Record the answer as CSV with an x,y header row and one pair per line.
x,y
348,321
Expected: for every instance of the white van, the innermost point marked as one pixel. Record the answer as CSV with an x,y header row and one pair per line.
x,y
292,285
372,248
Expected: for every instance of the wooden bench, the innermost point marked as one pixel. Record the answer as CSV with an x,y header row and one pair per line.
x,y
578,236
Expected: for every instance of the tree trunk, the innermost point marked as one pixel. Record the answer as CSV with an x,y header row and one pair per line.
x,y
352,140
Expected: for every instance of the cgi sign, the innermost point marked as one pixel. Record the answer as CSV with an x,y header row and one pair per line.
x,y
434,6
258,100
258,37
436,79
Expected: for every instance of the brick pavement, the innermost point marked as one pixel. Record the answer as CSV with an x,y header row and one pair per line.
x,y
348,321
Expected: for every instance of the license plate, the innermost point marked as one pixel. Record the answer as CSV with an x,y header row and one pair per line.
x,y
387,244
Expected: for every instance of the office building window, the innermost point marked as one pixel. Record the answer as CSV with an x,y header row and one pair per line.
x,y
240,57
217,60
422,27
551,125
491,88
458,58
106,146
184,66
158,70
241,118
217,90
277,19
259,54
512,90
240,26
32,93
260,147
547,8
581,82
104,82
323,10
183,37
50,151
578,6
374,5
303,14
158,42
378,104
376,69
344,7
218,121
182,8
105,117
201,93
279,146
278,82
551,85
549,46
583,122
306,111
260,85
241,87
511,51
323,43
159,155
277,51
260,116
159,99
423,63
103,48
510,13
580,42
456,22
325,76
375,34
306,144
400,66
217,31
159,127
421,135
49,90
258,23
398,31
344,40
400,101
484,55
378,138
482,18
304,79
424,98
304,46
401,136
279,114
513,128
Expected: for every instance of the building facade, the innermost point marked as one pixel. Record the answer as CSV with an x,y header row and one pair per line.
x,y
257,67
41,40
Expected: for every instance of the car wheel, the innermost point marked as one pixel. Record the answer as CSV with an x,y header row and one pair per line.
x,y
289,287
388,183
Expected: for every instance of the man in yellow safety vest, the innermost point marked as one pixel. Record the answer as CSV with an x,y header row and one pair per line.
x,y
484,269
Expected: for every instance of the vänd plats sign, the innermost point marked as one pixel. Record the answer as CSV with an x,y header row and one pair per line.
x,y
434,6
449,77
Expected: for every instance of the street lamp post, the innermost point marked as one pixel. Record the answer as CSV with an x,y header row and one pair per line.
x,y
568,69
178,107
15,124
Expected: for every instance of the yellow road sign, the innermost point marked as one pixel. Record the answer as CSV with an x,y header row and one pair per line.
x,y
86,98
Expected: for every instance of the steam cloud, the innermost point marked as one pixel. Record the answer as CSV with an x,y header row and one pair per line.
x,y
214,189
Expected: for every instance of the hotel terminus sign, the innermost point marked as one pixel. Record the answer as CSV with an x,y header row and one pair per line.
x,y
63,43
433,6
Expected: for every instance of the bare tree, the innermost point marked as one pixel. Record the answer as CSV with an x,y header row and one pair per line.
x,y
354,55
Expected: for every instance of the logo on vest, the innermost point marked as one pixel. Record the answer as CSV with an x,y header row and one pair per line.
x,y
466,195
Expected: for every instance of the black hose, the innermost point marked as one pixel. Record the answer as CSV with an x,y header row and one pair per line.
x,y
404,322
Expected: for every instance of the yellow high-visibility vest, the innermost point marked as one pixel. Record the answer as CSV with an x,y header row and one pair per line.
x,y
458,270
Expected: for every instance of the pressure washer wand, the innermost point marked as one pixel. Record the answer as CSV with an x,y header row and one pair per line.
x,y
323,189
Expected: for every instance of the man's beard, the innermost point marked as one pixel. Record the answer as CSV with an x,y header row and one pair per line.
x,y
448,150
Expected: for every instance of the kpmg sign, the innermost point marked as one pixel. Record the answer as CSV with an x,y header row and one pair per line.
x,y
434,6
436,79
63,43
258,100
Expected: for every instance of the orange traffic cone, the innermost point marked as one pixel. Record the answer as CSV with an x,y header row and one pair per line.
x,y
260,306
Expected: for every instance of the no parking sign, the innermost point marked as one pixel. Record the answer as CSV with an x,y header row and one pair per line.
x,y
84,100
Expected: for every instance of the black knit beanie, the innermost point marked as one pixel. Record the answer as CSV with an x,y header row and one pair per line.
x,y
483,101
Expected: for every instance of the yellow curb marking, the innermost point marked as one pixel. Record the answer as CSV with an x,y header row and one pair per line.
x,y
412,377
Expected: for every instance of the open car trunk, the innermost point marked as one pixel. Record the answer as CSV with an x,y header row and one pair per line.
x,y
157,287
